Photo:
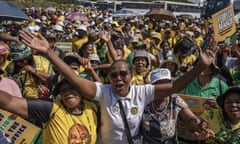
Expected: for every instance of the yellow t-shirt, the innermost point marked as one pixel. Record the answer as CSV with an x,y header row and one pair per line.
x,y
189,59
63,127
27,82
138,79
199,41
172,42
126,50
5,65
222,128
78,43
154,50
214,117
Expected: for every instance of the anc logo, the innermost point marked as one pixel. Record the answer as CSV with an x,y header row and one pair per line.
x,y
134,110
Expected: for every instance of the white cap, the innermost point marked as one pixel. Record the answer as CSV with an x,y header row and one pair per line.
x,y
82,27
105,20
60,23
93,15
37,21
189,34
58,28
94,57
160,74
44,18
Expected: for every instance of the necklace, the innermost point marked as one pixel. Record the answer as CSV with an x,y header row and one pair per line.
x,y
156,110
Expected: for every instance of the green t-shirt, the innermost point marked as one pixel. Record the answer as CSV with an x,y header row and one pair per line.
x,y
235,76
225,133
215,88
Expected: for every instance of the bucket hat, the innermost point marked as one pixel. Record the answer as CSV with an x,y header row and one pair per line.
x,y
19,52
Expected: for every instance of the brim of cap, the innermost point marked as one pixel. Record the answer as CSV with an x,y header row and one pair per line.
x,y
186,53
20,58
70,59
170,61
154,81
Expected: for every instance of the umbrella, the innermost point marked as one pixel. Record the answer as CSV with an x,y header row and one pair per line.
x,y
76,16
160,14
9,11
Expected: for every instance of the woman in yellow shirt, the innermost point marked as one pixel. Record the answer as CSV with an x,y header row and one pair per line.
x,y
67,121
141,70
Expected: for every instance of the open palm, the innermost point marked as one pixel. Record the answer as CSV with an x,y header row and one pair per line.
x,y
38,43
207,56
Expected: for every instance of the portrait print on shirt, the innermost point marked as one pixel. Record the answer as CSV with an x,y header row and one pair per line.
x,y
78,134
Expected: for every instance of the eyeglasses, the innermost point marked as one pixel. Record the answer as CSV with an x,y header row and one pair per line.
x,y
116,74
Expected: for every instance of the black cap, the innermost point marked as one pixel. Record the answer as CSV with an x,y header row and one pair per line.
x,y
56,89
71,58
184,47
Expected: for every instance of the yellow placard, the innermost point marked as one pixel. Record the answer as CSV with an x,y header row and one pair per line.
x,y
197,105
224,23
64,46
18,130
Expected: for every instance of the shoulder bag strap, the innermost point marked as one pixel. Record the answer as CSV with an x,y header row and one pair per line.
x,y
127,130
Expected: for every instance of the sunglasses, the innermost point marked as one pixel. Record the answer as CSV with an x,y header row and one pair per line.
x,y
116,74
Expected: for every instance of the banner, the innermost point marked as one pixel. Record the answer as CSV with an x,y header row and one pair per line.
x,y
64,46
195,103
18,130
224,23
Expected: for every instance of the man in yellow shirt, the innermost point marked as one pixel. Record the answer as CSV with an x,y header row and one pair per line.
x,y
197,37
29,71
80,38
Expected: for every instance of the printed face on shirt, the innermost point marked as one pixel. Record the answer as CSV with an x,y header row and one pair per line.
x,y
78,134
120,77
232,107
69,95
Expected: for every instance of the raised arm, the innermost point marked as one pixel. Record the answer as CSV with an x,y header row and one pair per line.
x,y
205,59
85,87
236,49
13,104
107,38
5,36
41,75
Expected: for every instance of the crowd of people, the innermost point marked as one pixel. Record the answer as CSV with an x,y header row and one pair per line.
x,y
122,78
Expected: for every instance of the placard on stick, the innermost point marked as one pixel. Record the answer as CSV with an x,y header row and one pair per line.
x,y
224,24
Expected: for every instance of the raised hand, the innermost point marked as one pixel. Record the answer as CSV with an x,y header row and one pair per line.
x,y
38,43
105,36
212,103
207,55
202,135
29,68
